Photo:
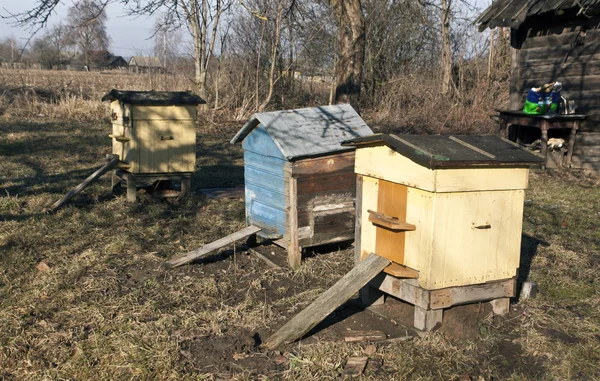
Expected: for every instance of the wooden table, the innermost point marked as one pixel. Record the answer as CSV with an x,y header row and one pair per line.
x,y
544,123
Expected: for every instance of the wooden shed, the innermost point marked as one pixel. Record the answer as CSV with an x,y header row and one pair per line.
x,y
447,211
556,41
154,135
299,180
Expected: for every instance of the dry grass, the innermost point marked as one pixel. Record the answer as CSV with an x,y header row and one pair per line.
x,y
103,308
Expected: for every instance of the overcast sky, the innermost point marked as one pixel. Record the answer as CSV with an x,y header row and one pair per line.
x,y
129,36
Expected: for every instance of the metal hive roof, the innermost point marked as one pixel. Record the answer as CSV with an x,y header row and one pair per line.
x,y
514,12
309,131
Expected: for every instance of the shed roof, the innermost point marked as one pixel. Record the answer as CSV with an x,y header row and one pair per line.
x,y
142,61
153,98
308,131
458,151
514,12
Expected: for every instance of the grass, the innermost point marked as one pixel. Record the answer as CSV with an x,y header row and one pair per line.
x,y
83,294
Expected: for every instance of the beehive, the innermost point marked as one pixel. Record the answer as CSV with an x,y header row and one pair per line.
x,y
463,194
154,132
447,211
299,181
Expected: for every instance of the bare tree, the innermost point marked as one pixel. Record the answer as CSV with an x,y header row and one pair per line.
x,y
86,22
351,42
446,56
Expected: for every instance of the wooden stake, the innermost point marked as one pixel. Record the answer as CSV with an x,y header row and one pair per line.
x,y
203,251
328,301
94,176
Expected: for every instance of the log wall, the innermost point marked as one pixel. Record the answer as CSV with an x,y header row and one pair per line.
x,y
568,51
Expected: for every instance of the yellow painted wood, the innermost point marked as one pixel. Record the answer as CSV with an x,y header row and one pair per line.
x,y
384,163
164,112
369,201
418,244
119,110
391,201
166,146
463,255
474,179
401,271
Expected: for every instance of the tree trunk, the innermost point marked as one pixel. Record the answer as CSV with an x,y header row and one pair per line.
x,y
446,59
351,40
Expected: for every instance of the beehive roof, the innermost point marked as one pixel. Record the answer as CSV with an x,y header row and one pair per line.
x,y
458,151
308,131
514,12
154,98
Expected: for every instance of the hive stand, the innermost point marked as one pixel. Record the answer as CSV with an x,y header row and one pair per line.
x,y
132,181
430,304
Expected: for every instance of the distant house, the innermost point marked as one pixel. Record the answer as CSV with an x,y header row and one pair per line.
x,y
115,62
103,60
140,64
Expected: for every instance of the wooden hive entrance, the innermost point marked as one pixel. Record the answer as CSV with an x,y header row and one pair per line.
x,y
154,135
299,181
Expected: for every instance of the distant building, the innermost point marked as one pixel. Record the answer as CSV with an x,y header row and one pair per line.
x,y
115,62
140,64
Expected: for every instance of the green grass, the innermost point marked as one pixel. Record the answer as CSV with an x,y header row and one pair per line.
x,y
105,309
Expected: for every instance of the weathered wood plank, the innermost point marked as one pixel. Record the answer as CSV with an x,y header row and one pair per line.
x,y
401,289
328,301
294,251
354,366
400,271
207,249
94,176
427,320
332,163
358,336
389,222
452,296
358,217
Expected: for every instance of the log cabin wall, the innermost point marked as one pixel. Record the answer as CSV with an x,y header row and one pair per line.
x,y
565,49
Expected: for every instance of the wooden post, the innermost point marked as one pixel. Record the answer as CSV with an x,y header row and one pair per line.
x,y
294,250
131,187
544,141
427,320
571,145
331,299
115,182
186,185
357,220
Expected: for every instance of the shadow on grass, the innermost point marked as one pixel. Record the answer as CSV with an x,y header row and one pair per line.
x,y
529,248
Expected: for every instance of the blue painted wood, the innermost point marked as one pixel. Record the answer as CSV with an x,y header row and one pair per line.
x,y
265,184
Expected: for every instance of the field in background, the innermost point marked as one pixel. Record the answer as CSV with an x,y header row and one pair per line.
x,y
83,296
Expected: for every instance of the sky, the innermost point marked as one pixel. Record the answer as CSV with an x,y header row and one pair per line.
x,y
129,36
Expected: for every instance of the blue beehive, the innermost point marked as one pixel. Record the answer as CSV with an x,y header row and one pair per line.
x,y
300,182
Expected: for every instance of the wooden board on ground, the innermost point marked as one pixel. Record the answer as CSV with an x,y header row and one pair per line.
x,y
357,336
355,366
331,299
207,249
237,192
111,161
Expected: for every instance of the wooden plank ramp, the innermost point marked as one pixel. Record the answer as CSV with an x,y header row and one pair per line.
x,y
331,299
215,245
111,161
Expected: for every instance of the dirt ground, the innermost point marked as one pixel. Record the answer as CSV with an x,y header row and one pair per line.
x,y
83,294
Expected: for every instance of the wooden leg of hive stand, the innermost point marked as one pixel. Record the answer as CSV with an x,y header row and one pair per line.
x,y
500,306
370,296
428,320
131,188
116,182
186,184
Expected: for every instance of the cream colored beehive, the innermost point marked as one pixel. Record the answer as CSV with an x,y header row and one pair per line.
x,y
154,132
448,208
